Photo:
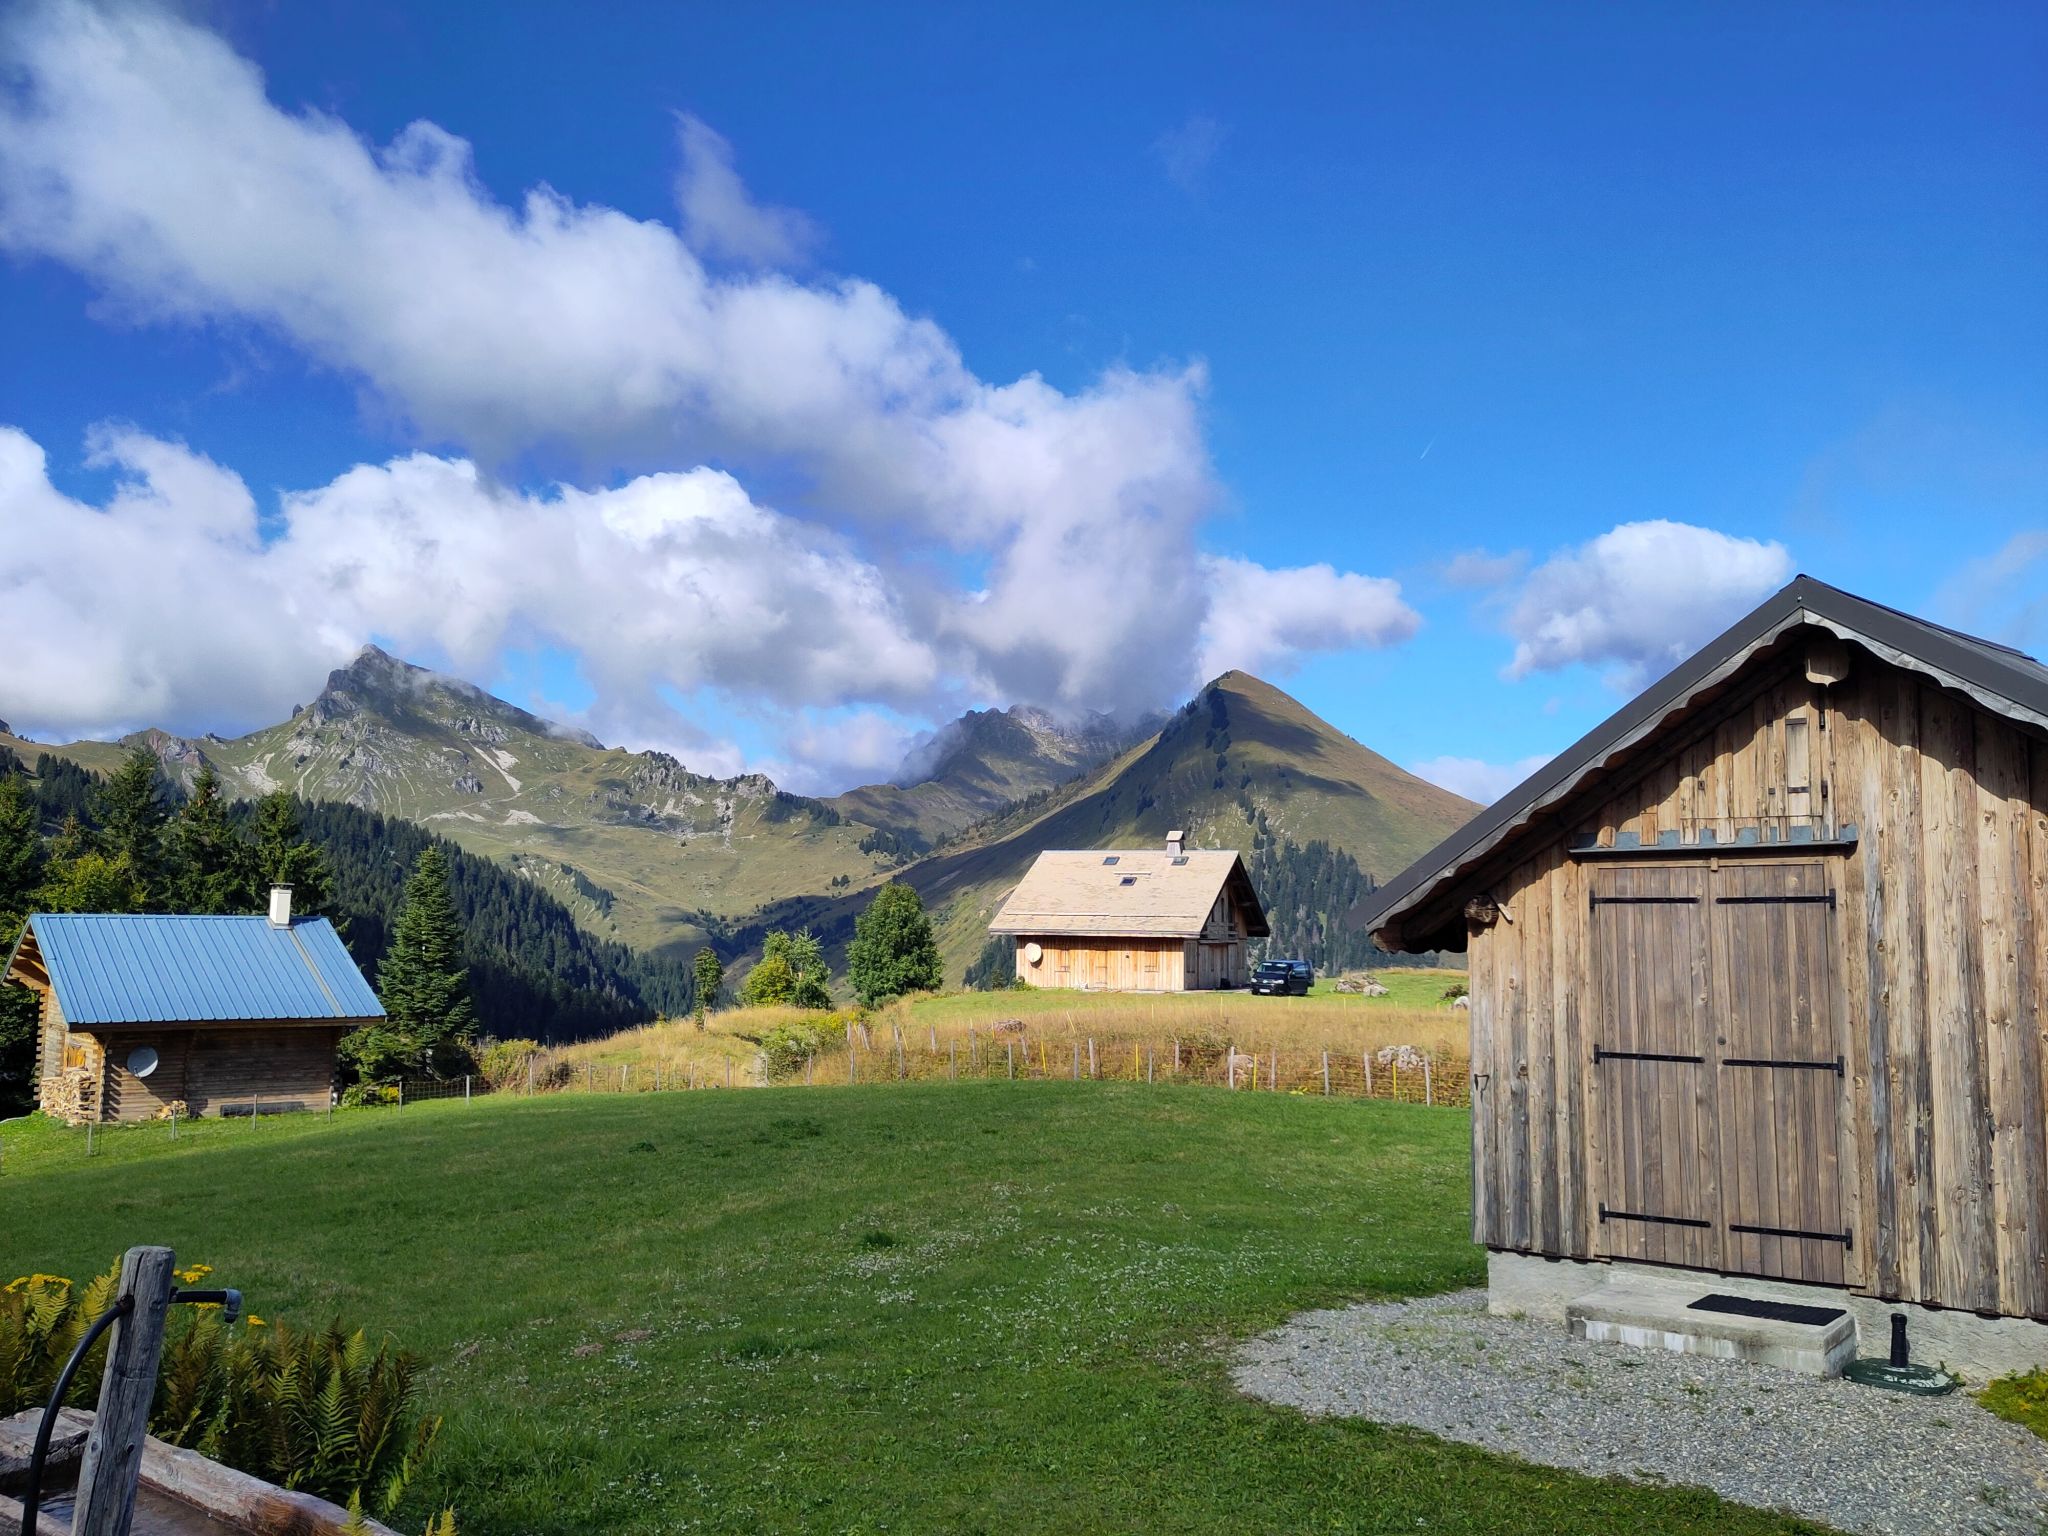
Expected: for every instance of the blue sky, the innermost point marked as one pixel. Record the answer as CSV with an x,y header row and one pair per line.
x,y
1638,309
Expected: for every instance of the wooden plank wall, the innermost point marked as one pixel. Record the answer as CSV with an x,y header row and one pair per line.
x,y
229,1067
1941,979
1116,965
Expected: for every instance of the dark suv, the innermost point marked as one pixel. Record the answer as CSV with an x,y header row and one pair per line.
x,y
1283,978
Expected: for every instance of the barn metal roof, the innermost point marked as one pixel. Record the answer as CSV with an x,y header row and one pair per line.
x,y
149,969
1127,892
2006,681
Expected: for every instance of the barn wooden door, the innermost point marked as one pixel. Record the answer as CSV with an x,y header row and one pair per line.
x,y
1652,1060
1781,1085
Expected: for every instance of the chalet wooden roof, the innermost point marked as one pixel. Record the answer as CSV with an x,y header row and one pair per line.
x,y
1420,908
1128,892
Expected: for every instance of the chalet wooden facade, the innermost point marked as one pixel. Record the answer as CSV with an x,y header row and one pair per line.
x,y
224,1015
1134,920
1759,968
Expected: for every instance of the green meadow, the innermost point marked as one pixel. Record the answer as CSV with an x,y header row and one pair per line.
x,y
974,1307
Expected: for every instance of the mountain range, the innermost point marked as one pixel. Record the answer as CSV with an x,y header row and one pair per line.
x,y
646,852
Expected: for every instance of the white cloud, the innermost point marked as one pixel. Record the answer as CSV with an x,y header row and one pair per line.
x,y
1638,599
1261,620
140,150
1475,778
1188,149
165,605
720,218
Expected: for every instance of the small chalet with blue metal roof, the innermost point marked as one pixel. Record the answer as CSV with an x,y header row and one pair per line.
x,y
222,1015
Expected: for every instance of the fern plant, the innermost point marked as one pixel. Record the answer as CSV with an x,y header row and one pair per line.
x,y
319,1410
42,1318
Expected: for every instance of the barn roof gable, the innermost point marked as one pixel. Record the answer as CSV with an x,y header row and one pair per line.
x,y
111,969
2003,680
1128,892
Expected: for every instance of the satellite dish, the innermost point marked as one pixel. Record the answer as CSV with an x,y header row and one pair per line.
x,y
142,1060
1033,953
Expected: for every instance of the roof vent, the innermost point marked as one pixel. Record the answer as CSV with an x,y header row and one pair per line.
x,y
280,906
1174,840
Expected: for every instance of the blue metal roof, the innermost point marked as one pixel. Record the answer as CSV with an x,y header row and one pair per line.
x,y
110,969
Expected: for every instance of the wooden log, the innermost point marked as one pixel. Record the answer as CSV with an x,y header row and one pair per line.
x,y
105,1503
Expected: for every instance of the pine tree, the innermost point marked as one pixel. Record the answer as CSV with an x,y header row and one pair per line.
x,y
21,853
710,974
893,951
284,856
132,810
424,980
212,867
21,872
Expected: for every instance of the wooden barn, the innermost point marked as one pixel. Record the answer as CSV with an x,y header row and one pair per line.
x,y
226,1015
1134,919
1759,974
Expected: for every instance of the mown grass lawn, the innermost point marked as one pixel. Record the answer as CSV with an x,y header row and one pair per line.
x,y
972,1307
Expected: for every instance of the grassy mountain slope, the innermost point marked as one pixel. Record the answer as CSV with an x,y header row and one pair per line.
x,y
646,852
1240,750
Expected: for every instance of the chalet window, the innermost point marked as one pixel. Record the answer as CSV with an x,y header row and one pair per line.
x,y
1128,880
1110,860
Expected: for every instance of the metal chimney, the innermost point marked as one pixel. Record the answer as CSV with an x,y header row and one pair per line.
x,y
1174,839
280,906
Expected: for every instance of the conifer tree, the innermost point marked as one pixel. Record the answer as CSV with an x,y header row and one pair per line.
x,y
424,979
285,856
21,871
893,951
21,853
212,866
710,975
132,811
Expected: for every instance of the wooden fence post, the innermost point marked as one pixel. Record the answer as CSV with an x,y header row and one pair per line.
x,y
1274,1075
1091,1057
105,1503
1176,1055
529,1073
465,1087
935,1039
1428,1093
1151,1065
1365,1060
1077,1060
1326,1074
952,1063
1230,1067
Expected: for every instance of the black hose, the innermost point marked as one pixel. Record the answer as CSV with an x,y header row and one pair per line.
x,y
32,1495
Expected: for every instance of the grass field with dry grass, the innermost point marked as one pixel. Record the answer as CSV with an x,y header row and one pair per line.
x,y
1132,1033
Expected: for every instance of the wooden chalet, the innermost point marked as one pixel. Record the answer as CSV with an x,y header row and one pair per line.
x,y
1759,969
1169,919
225,1015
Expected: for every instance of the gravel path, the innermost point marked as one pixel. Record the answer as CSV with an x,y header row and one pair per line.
x,y
1852,1457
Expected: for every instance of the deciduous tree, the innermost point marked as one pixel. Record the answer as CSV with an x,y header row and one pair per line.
x,y
893,951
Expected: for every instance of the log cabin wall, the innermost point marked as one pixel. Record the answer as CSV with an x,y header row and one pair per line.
x,y
1105,964
1939,973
